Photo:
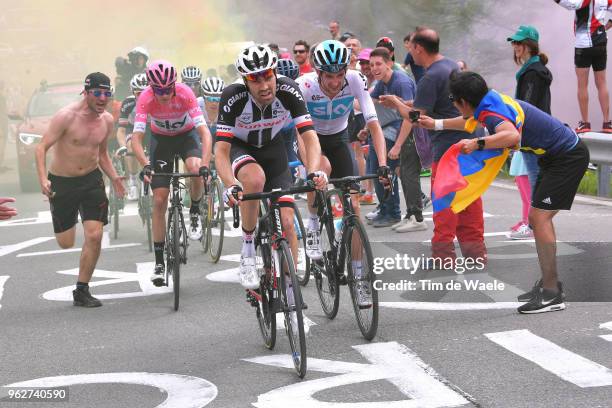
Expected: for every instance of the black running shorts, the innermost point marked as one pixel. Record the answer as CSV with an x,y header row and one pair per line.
x,y
83,195
559,178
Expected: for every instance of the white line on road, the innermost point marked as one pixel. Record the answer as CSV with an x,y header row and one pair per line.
x,y
8,249
607,337
450,305
105,245
553,358
3,280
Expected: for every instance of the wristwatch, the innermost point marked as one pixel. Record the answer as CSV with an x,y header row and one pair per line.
x,y
481,143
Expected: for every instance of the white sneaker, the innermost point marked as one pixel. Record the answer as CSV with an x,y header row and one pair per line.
x,y
313,244
371,215
523,232
364,295
412,225
195,229
400,223
249,277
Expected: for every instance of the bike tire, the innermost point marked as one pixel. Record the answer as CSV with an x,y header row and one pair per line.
x,y
114,211
297,335
205,220
326,280
217,220
367,317
146,202
302,274
266,310
176,266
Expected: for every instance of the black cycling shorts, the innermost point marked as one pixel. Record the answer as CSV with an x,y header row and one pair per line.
x,y
163,150
83,195
272,158
559,178
594,56
340,154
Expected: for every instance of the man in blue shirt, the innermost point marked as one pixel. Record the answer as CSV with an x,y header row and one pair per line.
x,y
395,129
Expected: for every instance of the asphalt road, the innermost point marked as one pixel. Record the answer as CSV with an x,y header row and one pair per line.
x,y
434,348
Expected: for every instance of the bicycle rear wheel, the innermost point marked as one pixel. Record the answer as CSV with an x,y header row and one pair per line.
x,y
303,267
146,208
265,309
291,300
359,261
323,271
114,212
176,249
217,219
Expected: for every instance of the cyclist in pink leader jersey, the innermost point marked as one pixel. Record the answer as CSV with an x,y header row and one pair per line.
x,y
177,127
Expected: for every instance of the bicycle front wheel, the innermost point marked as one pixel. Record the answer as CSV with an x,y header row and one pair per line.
x,y
326,280
216,208
265,309
303,266
291,301
176,249
205,220
359,261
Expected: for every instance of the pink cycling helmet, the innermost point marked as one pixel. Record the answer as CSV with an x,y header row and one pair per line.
x,y
161,74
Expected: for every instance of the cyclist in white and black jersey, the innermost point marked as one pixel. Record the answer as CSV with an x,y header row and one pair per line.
x,y
330,93
249,150
125,124
211,90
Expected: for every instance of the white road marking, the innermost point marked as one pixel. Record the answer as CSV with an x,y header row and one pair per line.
x,y
183,391
451,305
105,246
607,337
391,361
9,249
142,276
561,362
3,280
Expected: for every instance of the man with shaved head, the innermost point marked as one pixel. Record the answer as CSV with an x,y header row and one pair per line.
x,y
432,99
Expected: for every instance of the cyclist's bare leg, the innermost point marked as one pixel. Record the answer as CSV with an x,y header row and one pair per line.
x,y
160,205
91,249
287,219
197,185
253,179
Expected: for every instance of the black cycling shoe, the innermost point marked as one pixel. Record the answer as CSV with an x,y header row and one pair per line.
x,y
158,275
83,298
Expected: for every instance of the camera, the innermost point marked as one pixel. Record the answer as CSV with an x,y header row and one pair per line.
x,y
414,115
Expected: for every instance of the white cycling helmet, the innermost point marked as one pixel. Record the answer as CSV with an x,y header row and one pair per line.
x,y
213,86
139,51
256,58
139,82
191,74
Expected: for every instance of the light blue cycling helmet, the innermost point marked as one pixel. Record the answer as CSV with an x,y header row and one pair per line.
x,y
331,56
288,68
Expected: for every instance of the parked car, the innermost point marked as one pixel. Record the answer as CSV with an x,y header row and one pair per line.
x,y
43,104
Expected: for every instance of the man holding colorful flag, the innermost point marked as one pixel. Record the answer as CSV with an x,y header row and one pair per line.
x,y
473,163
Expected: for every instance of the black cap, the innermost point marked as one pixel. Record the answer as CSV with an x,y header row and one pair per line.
x,y
385,42
97,80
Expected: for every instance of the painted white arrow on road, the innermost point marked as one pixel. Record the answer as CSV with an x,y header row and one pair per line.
x,y
183,391
608,326
3,280
563,363
142,276
391,361
105,245
9,249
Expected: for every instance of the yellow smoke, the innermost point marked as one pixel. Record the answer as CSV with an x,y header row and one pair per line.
x,y
64,40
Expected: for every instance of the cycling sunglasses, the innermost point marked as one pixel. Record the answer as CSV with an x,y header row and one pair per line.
x,y
267,74
163,91
212,98
97,93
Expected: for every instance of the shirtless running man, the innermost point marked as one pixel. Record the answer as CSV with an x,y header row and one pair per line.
x,y
74,184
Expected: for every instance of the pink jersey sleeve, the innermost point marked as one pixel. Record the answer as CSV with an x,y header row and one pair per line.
x,y
195,113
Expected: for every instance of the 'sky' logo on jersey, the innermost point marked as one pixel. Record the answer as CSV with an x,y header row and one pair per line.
x,y
328,111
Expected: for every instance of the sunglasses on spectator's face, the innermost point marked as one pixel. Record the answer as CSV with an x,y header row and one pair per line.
x,y
299,51
97,93
163,91
213,98
267,74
